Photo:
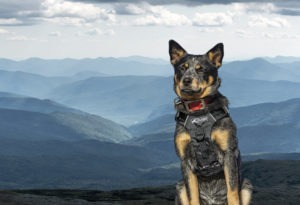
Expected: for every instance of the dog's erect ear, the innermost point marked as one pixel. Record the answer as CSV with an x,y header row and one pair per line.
x,y
176,52
216,54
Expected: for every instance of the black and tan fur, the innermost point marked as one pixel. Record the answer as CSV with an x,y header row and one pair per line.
x,y
196,77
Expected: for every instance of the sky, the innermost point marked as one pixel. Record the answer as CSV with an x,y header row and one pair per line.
x,y
55,29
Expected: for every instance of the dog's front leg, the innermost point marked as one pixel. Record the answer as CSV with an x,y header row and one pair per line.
x,y
225,138
232,178
190,194
192,184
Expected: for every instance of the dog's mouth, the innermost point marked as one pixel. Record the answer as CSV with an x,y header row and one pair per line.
x,y
190,91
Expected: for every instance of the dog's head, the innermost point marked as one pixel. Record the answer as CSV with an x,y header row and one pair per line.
x,y
196,76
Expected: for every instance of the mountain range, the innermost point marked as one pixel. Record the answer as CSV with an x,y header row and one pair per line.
x,y
122,90
135,98
62,121
59,147
134,65
31,118
260,69
54,146
266,127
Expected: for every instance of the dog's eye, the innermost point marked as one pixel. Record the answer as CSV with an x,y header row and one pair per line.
x,y
184,67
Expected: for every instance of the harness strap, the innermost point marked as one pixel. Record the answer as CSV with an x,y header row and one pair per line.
x,y
201,147
216,115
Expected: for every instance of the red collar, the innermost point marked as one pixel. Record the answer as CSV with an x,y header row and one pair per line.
x,y
197,105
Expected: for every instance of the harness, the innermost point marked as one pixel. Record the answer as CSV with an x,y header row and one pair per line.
x,y
199,125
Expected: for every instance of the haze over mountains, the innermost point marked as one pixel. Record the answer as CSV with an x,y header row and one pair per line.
x,y
37,119
134,65
135,87
108,123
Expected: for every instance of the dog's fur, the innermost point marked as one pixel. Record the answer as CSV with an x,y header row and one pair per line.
x,y
196,77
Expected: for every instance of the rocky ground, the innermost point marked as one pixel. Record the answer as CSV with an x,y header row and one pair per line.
x,y
275,183
280,195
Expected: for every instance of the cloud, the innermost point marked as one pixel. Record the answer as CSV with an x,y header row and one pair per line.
x,y
21,38
130,9
151,15
244,33
255,7
4,31
96,32
10,22
183,2
260,21
68,21
88,12
280,3
267,35
280,35
211,30
212,19
283,7
160,16
55,34
19,8
289,11
19,12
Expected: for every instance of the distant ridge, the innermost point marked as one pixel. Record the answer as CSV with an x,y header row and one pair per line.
x,y
282,59
266,127
21,115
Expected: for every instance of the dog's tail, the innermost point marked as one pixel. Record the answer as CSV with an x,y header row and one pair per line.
x,y
246,192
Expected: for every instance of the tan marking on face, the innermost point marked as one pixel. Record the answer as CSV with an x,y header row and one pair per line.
x,y
197,67
175,79
185,96
203,84
186,65
194,188
205,92
210,80
183,196
220,137
194,84
176,55
205,87
178,92
181,141
181,84
232,194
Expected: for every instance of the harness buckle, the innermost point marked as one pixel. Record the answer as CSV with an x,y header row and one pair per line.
x,y
178,104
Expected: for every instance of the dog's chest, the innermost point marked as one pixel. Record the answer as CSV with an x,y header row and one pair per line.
x,y
203,150
204,154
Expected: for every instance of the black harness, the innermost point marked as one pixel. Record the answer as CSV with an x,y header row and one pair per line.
x,y
199,125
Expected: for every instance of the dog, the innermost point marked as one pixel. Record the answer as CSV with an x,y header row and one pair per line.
x,y
205,135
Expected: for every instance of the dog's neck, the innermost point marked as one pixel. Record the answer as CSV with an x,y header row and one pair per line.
x,y
206,104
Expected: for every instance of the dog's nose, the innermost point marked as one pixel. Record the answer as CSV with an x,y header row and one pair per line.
x,y
187,81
